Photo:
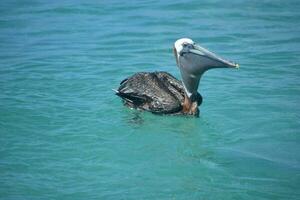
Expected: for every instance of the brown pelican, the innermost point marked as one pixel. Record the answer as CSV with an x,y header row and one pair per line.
x,y
161,93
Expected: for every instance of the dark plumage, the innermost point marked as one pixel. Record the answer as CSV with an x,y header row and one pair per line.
x,y
157,92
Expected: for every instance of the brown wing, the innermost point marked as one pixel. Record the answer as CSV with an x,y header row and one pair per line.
x,y
158,92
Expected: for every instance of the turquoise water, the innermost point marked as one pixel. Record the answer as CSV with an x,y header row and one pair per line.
x,y
65,135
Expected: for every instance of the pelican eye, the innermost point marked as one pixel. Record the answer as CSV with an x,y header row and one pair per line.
x,y
184,44
187,45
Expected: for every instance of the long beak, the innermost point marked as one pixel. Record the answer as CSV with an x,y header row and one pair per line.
x,y
215,60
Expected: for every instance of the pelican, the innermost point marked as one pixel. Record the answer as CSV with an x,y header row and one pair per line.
x,y
162,93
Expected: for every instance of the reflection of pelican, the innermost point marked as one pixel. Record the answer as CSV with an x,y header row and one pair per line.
x,y
160,92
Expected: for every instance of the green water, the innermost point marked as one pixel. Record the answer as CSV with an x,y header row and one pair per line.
x,y
65,135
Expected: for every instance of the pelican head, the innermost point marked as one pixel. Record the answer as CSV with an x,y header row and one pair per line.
x,y
193,60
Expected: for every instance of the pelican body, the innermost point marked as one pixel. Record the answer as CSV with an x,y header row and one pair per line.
x,y
157,92
161,93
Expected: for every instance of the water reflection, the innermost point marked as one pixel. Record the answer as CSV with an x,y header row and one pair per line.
x,y
135,118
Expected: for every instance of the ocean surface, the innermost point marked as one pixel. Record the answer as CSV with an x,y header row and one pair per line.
x,y
65,135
